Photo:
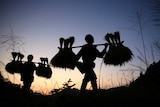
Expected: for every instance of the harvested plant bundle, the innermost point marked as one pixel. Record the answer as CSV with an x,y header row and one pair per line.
x,y
118,54
65,58
16,65
43,69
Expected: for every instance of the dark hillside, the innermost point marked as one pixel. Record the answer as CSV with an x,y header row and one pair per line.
x,y
150,79
12,95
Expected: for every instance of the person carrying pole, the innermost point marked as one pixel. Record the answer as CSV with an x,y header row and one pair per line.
x,y
89,52
27,75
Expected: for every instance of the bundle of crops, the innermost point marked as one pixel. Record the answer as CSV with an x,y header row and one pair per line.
x,y
11,67
43,69
118,54
16,65
65,58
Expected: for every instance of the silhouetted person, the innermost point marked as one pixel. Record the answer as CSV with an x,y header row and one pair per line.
x,y
89,52
27,73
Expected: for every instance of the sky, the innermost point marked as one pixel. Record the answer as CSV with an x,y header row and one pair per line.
x,y
40,23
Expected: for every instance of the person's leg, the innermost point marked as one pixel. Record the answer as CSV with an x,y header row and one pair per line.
x,y
29,85
26,86
94,84
83,86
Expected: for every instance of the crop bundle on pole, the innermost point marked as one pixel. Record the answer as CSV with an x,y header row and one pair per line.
x,y
65,58
117,54
16,65
43,69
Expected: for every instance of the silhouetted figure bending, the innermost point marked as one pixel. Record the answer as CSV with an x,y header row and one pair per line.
x,y
89,52
27,74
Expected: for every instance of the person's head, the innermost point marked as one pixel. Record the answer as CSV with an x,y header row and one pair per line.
x,y
89,39
30,58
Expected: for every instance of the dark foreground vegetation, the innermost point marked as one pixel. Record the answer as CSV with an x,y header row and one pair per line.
x,y
144,91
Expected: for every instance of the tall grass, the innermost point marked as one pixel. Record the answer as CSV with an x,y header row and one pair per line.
x,y
140,22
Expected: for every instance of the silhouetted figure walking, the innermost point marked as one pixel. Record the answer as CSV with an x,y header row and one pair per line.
x,y
89,52
27,73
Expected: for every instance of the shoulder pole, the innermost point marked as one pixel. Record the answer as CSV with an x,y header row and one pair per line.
x,y
93,45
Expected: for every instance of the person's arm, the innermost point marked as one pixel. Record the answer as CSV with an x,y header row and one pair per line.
x,y
103,51
79,54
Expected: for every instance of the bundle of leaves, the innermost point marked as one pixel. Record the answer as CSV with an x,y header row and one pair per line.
x,y
65,58
44,71
118,54
16,65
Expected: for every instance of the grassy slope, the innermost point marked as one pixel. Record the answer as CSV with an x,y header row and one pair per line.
x,y
138,93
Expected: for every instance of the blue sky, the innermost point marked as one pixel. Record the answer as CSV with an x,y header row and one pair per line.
x,y
40,24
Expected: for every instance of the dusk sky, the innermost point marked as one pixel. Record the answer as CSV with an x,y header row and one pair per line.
x,y
40,24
